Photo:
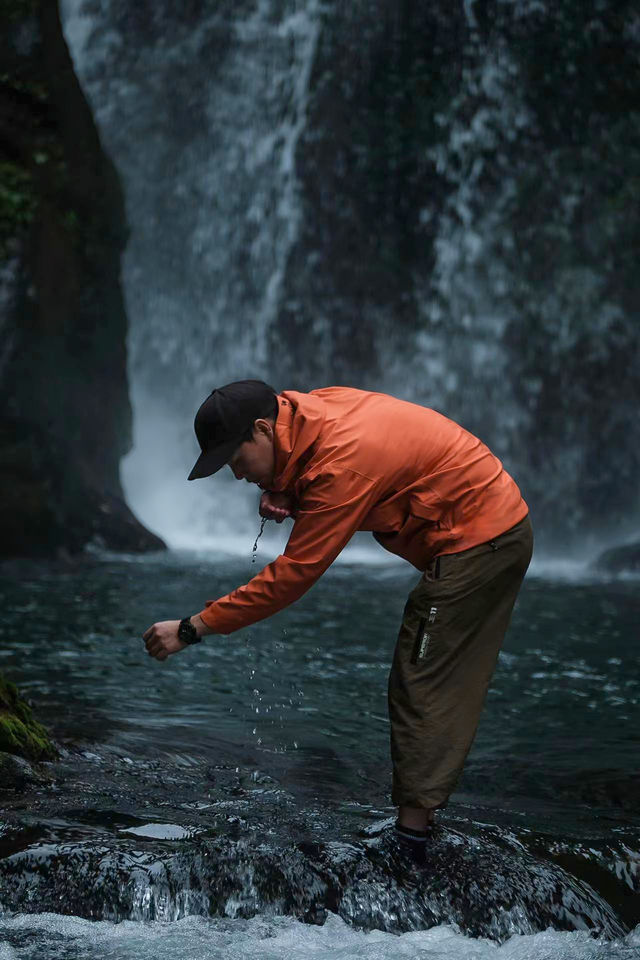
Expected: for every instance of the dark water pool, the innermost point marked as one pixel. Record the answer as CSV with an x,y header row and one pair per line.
x,y
241,789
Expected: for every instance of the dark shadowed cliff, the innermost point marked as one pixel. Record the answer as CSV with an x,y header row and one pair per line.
x,y
64,404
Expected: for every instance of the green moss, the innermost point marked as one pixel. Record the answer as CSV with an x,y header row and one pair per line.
x,y
17,199
20,733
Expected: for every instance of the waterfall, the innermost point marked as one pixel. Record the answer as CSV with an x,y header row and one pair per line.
x,y
212,199
423,199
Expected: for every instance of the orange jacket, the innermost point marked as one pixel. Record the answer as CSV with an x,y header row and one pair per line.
x,y
366,461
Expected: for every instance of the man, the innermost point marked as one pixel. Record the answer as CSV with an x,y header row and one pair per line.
x,y
339,460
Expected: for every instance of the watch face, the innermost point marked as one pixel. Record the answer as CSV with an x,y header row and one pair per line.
x,y
187,632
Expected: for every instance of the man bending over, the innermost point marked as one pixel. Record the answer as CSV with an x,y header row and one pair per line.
x,y
339,460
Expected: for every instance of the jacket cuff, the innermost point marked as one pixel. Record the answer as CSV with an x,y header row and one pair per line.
x,y
207,617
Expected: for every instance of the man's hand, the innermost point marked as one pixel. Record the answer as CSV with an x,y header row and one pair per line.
x,y
276,506
161,640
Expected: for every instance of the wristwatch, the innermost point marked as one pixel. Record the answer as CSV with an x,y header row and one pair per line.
x,y
187,633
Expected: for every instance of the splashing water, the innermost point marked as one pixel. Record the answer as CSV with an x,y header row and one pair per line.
x,y
276,938
255,546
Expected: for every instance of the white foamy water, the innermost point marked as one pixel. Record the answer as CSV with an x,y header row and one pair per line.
x,y
48,936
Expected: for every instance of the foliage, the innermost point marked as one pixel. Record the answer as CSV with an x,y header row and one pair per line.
x,y
18,200
20,733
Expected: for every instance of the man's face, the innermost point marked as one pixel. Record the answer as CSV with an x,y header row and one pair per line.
x,y
255,460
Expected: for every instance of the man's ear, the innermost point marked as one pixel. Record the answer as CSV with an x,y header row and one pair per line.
x,y
264,426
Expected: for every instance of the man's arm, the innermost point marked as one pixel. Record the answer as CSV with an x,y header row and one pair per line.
x,y
161,639
329,513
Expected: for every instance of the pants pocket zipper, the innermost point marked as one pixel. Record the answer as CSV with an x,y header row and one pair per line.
x,y
420,634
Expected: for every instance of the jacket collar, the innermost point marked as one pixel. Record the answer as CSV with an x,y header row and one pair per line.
x,y
301,417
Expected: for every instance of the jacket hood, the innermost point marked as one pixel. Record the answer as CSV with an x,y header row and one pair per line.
x,y
301,417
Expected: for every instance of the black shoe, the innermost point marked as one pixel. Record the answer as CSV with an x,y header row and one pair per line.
x,y
413,842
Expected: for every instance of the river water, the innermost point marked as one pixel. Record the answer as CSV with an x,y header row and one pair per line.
x,y
234,801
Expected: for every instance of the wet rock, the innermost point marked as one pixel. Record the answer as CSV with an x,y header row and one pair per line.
x,y
479,886
16,773
65,417
623,559
21,735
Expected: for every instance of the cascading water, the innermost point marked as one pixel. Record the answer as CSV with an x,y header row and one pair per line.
x,y
209,163
383,196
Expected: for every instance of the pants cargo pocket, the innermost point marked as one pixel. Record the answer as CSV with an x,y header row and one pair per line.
x,y
424,636
452,629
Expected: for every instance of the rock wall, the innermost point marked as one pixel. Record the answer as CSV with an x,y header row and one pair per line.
x,y
468,173
65,417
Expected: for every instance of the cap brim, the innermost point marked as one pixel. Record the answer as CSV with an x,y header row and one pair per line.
x,y
210,461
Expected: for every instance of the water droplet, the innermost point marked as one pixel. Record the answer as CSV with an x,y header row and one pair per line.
x,y
255,546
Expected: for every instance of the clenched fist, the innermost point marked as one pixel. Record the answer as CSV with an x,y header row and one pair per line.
x,y
161,639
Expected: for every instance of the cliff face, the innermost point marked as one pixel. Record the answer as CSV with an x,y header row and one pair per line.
x,y
473,179
64,405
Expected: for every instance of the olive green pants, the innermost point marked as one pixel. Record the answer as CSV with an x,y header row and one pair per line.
x,y
453,625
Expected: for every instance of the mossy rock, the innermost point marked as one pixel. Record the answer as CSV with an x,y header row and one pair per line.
x,y
20,733
17,199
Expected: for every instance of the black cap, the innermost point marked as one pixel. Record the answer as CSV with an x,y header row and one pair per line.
x,y
223,420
